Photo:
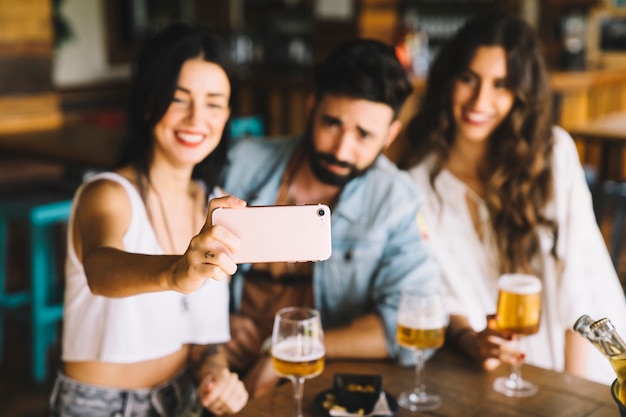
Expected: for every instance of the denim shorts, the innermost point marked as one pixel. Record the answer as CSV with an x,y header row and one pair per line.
x,y
174,398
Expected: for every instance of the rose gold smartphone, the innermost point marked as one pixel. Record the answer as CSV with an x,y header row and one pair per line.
x,y
298,233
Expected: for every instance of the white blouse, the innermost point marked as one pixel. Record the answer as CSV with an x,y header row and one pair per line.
x,y
585,281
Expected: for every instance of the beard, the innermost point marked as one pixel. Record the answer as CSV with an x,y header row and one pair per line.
x,y
319,160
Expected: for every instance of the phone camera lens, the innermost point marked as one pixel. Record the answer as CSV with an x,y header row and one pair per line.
x,y
321,212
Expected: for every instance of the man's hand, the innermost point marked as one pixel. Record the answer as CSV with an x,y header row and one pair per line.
x,y
223,393
262,378
245,345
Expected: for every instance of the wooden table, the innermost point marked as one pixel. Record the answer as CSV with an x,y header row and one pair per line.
x,y
465,391
610,133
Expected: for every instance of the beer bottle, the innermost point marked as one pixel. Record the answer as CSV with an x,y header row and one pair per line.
x,y
583,326
605,338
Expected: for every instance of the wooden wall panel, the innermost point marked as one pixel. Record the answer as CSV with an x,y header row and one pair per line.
x,y
27,97
26,21
379,19
25,74
29,112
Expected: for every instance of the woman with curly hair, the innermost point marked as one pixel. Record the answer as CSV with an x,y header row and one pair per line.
x,y
507,194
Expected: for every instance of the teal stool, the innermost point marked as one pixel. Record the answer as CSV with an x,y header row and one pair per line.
x,y
38,303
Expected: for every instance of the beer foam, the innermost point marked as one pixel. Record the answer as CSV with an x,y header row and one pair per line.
x,y
414,321
519,284
299,349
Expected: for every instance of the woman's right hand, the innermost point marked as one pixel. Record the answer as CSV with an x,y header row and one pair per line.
x,y
207,256
491,346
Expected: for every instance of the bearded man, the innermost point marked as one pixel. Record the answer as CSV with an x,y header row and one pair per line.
x,y
378,247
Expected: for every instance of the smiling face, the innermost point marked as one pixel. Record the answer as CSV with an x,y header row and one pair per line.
x,y
481,97
347,135
192,126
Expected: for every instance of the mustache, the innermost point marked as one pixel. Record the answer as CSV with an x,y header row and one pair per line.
x,y
330,159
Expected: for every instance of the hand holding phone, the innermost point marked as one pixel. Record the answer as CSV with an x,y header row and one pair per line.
x,y
296,233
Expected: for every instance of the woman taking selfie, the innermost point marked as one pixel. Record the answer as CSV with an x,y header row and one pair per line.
x,y
506,194
146,302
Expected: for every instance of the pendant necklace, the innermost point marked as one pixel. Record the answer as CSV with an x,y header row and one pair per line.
x,y
168,230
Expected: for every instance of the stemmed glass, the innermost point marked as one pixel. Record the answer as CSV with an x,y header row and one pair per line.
x,y
421,326
298,348
519,313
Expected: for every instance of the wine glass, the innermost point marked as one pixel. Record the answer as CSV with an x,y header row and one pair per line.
x,y
421,326
518,312
298,348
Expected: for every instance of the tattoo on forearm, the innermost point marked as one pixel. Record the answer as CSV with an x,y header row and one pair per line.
x,y
204,359
200,356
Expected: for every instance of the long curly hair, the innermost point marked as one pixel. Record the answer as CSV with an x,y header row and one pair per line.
x,y
517,167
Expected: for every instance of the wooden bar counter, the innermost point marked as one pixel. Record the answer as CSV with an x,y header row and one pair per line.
x,y
608,135
464,390
586,95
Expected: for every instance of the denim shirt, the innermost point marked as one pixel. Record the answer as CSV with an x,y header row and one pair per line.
x,y
377,246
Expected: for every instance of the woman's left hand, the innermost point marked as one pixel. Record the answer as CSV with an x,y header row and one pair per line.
x,y
207,256
222,392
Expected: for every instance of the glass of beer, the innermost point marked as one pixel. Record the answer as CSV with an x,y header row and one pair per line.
x,y
298,348
518,312
421,326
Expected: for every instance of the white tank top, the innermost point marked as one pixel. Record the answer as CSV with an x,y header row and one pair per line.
x,y
140,327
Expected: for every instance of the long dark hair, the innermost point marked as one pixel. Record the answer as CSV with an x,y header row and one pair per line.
x,y
517,168
153,83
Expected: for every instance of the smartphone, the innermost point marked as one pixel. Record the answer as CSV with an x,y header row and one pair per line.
x,y
296,233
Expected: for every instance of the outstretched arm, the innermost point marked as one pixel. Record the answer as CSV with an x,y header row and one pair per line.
x,y
102,218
